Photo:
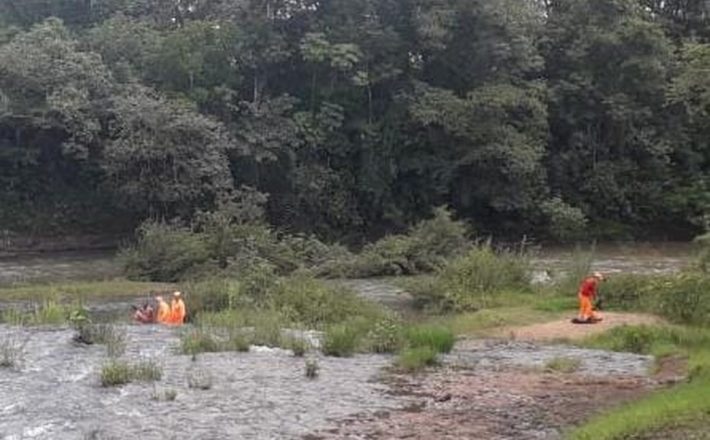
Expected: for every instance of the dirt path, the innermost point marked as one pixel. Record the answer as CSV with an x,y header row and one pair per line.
x,y
564,329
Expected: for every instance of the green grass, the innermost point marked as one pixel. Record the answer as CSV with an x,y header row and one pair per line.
x,y
663,409
482,322
438,338
81,290
116,373
342,340
415,359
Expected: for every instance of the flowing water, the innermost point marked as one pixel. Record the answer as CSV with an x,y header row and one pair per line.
x,y
54,393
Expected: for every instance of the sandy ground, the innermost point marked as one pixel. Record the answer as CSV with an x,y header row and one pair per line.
x,y
565,330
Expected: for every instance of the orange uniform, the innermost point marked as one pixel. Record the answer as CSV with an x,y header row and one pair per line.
x,y
164,313
177,313
587,292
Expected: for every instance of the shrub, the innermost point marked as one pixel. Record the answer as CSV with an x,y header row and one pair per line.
x,y
164,252
313,303
425,247
683,298
565,222
146,371
416,358
211,295
627,292
267,330
299,346
470,282
386,335
439,339
342,340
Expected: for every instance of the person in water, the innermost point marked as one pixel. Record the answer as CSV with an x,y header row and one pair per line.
x,y
164,313
145,314
177,309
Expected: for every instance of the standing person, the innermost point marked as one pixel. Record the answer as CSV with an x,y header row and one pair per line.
x,y
164,313
587,293
177,307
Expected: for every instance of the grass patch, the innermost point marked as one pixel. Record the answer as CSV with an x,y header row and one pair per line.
x,y
117,372
662,409
562,365
81,290
416,359
199,380
438,338
342,340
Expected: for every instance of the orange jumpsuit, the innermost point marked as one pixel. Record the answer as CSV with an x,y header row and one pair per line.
x,y
177,314
163,312
587,292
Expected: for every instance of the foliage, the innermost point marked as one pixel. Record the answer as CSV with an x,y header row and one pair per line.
x,y
472,281
440,339
116,373
354,120
199,379
164,252
386,335
342,340
415,359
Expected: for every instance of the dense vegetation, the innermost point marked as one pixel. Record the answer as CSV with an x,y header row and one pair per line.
x,y
352,118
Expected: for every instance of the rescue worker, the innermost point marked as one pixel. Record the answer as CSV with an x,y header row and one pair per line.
x,y
164,314
177,309
587,293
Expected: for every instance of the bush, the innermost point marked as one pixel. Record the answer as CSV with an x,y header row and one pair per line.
x,y
386,335
627,292
164,252
424,248
439,339
199,379
299,346
342,340
683,298
416,359
199,340
313,303
565,222
469,282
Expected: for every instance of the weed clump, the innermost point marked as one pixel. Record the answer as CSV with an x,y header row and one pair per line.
x,y
342,340
439,339
416,359
117,372
199,380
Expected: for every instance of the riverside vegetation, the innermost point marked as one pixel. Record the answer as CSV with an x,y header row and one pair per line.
x,y
268,290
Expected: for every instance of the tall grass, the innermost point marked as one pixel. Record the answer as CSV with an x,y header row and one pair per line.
x,y
117,372
474,280
438,338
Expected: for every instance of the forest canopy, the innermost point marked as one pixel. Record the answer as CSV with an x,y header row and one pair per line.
x,y
349,119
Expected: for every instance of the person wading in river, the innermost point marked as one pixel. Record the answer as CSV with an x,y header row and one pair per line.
x,y
177,310
587,293
164,313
